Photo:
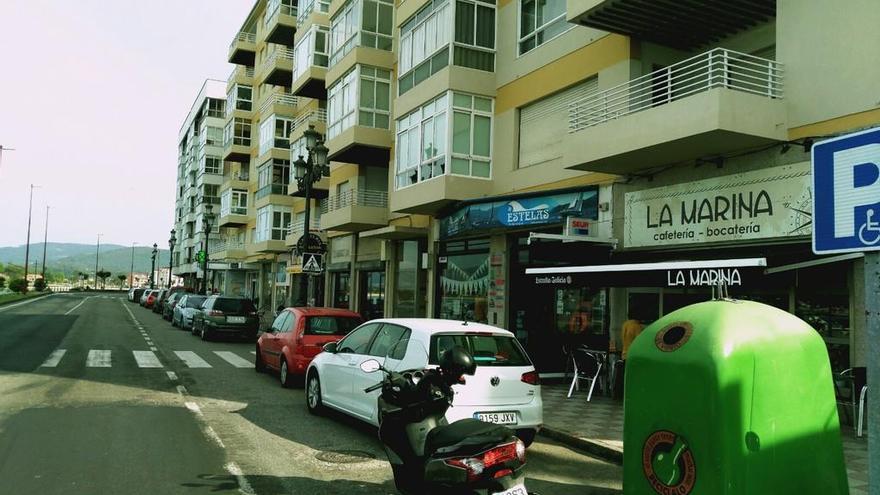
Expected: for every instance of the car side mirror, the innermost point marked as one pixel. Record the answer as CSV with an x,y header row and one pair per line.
x,y
330,347
370,366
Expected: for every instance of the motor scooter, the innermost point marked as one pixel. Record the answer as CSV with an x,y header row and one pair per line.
x,y
427,454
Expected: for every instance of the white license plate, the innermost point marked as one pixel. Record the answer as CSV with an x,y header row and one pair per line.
x,y
499,418
235,319
517,490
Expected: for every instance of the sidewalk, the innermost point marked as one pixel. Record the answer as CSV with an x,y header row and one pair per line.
x,y
597,427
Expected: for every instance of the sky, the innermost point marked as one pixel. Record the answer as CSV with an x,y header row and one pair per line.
x,y
92,96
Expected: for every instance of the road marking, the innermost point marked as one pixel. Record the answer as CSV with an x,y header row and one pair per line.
x,y
213,436
234,359
254,353
78,305
154,349
191,359
171,375
181,390
192,406
54,358
146,359
10,306
243,486
98,359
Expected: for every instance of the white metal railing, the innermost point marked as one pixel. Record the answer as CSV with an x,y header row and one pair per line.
x,y
314,116
240,70
717,68
215,247
275,7
306,7
280,99
243,37
296,228
280,53
355,197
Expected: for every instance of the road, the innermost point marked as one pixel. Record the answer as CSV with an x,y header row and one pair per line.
x,y
98,395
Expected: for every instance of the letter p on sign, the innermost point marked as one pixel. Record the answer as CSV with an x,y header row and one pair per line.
x,y
846,193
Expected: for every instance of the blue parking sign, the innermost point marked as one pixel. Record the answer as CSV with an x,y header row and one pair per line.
x,y
846,193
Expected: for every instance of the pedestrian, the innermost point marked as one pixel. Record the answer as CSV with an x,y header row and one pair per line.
x,y
630,329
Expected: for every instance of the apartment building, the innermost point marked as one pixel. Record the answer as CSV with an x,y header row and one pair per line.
x,y
469,138
199,176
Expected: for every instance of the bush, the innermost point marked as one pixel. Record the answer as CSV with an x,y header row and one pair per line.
x,y
39,285
2,282
19,285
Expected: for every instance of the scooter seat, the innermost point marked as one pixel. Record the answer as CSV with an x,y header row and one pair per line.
x,y
465,432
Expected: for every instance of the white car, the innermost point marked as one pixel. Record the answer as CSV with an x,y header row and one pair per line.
x,y
505,388
186,306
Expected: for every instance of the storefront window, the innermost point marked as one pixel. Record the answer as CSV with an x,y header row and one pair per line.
x,y
409,298
373,295
822,300
464,283
580,313
341,285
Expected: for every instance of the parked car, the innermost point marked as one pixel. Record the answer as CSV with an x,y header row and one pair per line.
x,y
505,388
144,295
157,304
168,305
186,307
131,295
226,315
163,296
151,299
298,335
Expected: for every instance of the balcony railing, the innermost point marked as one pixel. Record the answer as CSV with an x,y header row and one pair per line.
x,y
306,7
217,246
243,37
717,68
275,7
296,228
240,70
271,189
279,99
314,116
280,53
355,197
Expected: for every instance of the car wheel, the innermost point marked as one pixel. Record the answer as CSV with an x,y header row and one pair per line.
x,y
313,394
259,365
284,374
173,322
206,334
192,328
527,436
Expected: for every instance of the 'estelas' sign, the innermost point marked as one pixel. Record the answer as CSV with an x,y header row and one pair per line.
x,y
766,203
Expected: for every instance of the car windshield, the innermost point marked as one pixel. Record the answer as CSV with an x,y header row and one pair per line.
x,y
488,350
229,305
194,301
331,325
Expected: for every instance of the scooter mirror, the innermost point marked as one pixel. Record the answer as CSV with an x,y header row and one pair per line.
x,y
370,366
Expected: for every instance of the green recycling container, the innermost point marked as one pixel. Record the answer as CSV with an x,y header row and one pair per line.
x,y
731,397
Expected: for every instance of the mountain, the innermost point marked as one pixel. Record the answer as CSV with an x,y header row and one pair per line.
x,y
73,258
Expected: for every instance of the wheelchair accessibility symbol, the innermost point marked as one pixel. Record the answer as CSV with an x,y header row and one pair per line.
x,y
869,232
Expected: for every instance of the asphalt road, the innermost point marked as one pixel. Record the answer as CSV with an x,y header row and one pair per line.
x,y
98,395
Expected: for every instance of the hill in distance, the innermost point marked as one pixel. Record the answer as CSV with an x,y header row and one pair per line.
x,y
74,258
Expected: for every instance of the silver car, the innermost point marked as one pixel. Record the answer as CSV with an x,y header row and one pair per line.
x,y
184,309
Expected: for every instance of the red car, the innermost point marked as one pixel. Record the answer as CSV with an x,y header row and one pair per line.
x,y
298,335
151,299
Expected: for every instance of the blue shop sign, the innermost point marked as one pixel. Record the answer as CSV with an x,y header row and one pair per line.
x,y
522,211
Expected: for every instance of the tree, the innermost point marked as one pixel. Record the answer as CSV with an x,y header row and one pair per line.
x,y
103,274
19,285
2,282
121,277
39,284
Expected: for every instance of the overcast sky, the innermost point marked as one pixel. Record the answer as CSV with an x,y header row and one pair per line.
x,y
92,96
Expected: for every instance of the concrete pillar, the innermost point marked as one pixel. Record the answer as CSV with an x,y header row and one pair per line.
x,y
433,270
354,302
390,260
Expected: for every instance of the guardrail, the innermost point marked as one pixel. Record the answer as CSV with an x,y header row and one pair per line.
x,y
243,37
280,99
239,71
717,68
355,197
218,246
314,116
280,53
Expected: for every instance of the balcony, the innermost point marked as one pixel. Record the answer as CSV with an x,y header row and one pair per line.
x,y
714,103
430,196
283,104
243,49
277,69
241,75
271,189
310,63
355,210
320,189
682,25
234,216
295,230
280,22
227,250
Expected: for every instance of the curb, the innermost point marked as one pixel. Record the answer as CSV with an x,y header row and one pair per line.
x,y
590,447
32,298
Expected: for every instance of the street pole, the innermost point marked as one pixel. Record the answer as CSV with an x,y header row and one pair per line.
x,y
207,216
131,271
872,313
97,251
171,242
2,149
153,267
45,240
27,248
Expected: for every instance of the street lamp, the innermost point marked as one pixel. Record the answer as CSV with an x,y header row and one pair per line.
x,y
207,219
171,242
153,267
131,272
308,172
97,253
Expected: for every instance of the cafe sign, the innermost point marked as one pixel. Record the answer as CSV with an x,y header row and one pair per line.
x,y
762,204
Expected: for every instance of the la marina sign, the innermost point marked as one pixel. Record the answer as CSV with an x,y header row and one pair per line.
x,y
703,278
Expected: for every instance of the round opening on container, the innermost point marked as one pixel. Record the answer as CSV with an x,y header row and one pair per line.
x,y
673,336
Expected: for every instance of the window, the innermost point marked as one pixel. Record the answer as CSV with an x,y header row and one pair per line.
x,y
239,98
424,44
387,340
237,132
364,88
330,325
306,7
211,136
233,202
377,24
487,350
273,178
211,165
272,222
311,50
343,31
358,341
215,108
471,135
274,132
540,21
278,324
474,35
366,23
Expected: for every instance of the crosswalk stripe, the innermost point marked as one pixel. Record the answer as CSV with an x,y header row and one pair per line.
x,y
192,359
234,359
254,353
146,359
98,359
54,358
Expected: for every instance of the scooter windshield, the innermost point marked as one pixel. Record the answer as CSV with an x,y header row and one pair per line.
x,y
407,354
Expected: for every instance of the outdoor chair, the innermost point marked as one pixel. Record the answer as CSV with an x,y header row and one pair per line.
x,y
853,395
587,366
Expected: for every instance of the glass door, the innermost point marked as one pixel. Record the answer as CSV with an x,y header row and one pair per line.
x,y
372,295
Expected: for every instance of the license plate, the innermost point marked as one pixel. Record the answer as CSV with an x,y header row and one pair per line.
x,y
517,490
235,319
499,418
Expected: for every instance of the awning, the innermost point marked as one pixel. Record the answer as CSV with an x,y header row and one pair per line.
x,y
395,232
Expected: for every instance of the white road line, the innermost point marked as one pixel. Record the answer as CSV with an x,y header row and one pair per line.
x,y
10,306
171,375
191,359
98,359
254,353
154,348
78,305
234,359
147,359
192,406
181,390
243,486
54,358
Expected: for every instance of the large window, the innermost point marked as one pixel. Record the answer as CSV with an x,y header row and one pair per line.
x,y
474,34
464,281
272,222
306,7
275,132
210,135
215,107
239,98
361,97
212,165
539,22
311,50
233,202
365,23
425,149
273,178
424,44
237,132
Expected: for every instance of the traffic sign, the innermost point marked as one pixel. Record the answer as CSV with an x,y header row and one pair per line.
x,y
312,263
846,193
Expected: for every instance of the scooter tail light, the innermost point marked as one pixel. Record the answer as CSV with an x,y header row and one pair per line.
x,y
520,451
531,378
473,466
502,473
500,455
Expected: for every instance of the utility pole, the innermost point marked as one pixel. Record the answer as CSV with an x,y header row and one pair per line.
x,y
45,240
131,272
97,251
2,149
27,248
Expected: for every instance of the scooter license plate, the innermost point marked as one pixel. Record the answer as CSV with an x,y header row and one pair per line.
x,y
499,418
517,490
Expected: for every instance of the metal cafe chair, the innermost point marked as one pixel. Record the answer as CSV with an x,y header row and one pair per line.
x,y
854,395
587,366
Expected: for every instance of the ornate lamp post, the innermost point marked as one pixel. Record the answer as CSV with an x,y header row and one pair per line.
x,y
308,172
171,242
153,266
207,219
